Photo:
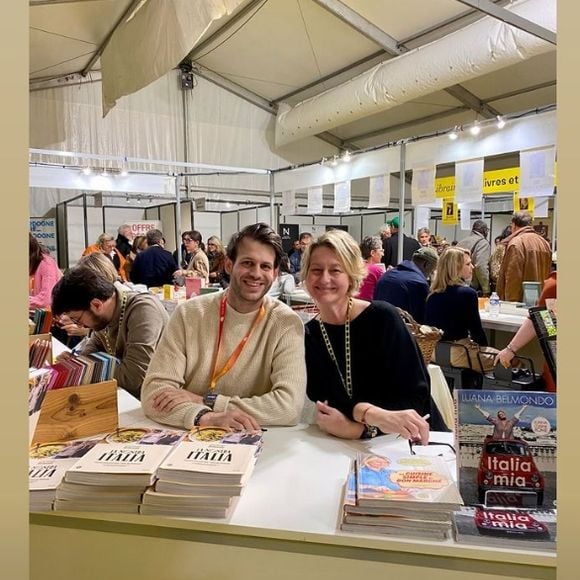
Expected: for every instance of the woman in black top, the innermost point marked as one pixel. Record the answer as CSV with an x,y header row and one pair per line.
x,y
365,372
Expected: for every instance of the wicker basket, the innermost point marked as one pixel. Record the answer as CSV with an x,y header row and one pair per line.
x,y
426,337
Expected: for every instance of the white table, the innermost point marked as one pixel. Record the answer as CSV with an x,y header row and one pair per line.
x,y
503,322
284,526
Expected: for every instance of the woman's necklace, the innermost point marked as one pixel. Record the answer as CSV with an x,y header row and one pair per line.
x,y
347,384
121,316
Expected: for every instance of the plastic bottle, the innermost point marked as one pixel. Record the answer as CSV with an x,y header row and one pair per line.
x,y
494,305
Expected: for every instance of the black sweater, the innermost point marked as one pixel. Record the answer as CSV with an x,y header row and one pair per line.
x,y
387,368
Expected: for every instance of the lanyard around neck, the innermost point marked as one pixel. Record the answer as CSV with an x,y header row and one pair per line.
x,y
218,374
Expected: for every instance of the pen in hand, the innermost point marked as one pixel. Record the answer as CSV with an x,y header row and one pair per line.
x,y
423,417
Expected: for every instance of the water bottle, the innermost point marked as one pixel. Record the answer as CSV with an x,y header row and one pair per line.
x,y
494,305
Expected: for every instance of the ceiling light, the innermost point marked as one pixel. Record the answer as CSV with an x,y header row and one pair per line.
x,y
475,128
124,172
334,161
346,157
323,161
87,171
454,134
500,122
104,173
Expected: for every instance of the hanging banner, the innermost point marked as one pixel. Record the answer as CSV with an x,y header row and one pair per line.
x,y
44,230
494,181
465,218
423,185
314,200
422,215
524,204
342,197
379,191
541,207
199,203
449,213
288,203
537,172
469,180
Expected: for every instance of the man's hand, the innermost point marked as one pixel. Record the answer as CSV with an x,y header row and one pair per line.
x,y
165,401
408,423
332,421
237,420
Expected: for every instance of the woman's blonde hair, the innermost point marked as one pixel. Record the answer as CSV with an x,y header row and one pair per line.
x,y
347,251
218,244
101,265
449,266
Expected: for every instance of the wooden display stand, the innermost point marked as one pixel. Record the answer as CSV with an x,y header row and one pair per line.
x,y
74,412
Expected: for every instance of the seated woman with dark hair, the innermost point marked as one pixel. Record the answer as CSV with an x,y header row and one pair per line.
x,y
453,307
365,372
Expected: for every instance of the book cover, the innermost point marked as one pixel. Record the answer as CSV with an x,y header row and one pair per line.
x,y
221,435
128,456
505,528
197,461
506,445
422,482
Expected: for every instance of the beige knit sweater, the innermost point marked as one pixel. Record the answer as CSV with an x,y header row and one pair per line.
x,y
268,381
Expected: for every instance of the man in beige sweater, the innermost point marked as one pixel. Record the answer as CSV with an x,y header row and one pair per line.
x,y
126,324
233,359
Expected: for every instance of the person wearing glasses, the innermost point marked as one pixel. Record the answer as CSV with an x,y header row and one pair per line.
x,y
365,372
125,324
216,255
198,264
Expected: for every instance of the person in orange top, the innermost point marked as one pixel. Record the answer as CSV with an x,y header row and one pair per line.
x,y
106,245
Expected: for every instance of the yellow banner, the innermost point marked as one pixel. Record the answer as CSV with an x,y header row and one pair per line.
x,y
496,181
523,204
449,215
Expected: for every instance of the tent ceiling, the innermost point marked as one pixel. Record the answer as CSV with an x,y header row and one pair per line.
x,y
283,49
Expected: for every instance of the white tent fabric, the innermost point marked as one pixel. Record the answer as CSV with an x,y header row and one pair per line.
x,y
160,33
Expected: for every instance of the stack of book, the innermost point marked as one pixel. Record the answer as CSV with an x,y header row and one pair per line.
x,y
47,464
114,474
399,494
504,528
506,468
42,319
39,353
205,474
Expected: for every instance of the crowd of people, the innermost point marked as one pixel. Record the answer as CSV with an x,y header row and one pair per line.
x,y
241,358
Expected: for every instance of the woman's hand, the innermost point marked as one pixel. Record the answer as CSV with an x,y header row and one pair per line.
x,y
505,357
166,400
408,424
331,420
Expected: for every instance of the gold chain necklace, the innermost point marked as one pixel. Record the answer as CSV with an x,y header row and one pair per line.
x,y
347,384
121,316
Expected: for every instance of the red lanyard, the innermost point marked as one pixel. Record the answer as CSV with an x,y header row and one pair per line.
x,y
217,375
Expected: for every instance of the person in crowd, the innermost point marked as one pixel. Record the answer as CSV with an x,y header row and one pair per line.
x,y
216,255
139,244
233,359
185,255
503,428
424,237
198,265
305,239
284,284
106,245
527,258
125,324
497,257
526,333
391,245
124,239
43,272
407,285
372,252
476,242
295,247
154,266
385,233
347,341
453,307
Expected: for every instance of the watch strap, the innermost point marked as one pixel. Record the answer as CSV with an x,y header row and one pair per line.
x,y
199,415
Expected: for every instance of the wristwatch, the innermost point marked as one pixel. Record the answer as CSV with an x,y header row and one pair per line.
x,y
209,400
199,416
369,432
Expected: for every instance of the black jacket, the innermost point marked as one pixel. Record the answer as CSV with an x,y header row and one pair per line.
x,y
391,247
123,245
153,267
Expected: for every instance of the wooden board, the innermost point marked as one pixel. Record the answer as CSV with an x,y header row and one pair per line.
x,y
73,412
